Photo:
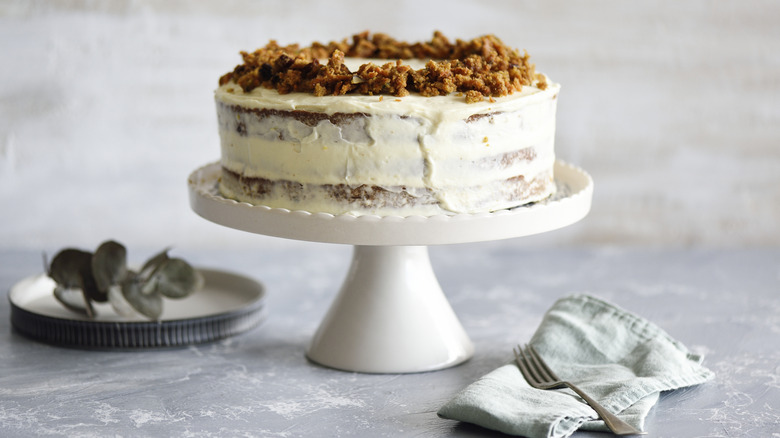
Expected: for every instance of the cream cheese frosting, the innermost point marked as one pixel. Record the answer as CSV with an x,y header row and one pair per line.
x,y
457,156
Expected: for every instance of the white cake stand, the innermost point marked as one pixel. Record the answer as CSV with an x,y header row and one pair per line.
x,y
391,315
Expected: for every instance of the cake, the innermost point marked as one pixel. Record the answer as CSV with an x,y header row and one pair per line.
x,y
383,127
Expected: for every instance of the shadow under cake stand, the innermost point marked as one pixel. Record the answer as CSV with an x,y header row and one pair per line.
x,y
391,315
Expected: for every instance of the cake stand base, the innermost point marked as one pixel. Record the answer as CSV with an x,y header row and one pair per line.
x,y
390,316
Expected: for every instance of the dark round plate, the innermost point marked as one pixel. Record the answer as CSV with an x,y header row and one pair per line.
x,y
228,304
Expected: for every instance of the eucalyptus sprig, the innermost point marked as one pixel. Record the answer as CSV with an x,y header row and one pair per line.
x,y
82,278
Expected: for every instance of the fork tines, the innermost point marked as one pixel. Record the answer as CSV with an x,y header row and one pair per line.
x,y
535,371
540,376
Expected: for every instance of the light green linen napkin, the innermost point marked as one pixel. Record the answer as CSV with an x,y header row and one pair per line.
x,y
618,358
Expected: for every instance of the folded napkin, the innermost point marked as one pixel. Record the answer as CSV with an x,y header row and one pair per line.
x,y
620,359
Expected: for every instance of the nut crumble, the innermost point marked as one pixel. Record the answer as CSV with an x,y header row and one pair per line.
x,y
479,68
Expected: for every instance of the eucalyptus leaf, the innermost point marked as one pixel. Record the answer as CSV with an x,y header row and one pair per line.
x,y
73,300
83,277
118,302
68,266
149,305
72,268
109,265
176,278
149,286
153,263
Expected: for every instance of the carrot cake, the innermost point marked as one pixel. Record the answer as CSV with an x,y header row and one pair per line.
x,y
377,126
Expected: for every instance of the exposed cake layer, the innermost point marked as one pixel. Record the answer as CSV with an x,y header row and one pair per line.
x,y
382,201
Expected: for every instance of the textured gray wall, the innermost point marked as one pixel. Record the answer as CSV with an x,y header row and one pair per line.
x,y
671,106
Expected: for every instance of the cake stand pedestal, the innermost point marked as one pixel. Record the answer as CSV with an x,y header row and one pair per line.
x,y
391,315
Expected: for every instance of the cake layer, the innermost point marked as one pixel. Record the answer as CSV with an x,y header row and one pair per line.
x,y
381,201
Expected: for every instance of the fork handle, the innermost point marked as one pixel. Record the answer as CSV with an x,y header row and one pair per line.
x,y
615,424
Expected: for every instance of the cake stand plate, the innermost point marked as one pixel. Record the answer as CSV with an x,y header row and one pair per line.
x,y
391,315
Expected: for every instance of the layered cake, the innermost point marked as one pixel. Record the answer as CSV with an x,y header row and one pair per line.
x,y
383,127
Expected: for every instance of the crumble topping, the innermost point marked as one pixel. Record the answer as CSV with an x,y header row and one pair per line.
x,y
479,68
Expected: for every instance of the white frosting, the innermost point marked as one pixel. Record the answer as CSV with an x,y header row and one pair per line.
x,y
420,143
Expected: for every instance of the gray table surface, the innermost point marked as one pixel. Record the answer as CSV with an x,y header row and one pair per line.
x,y
722,303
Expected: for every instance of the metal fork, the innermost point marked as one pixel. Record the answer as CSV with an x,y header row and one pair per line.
x,y
539,375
